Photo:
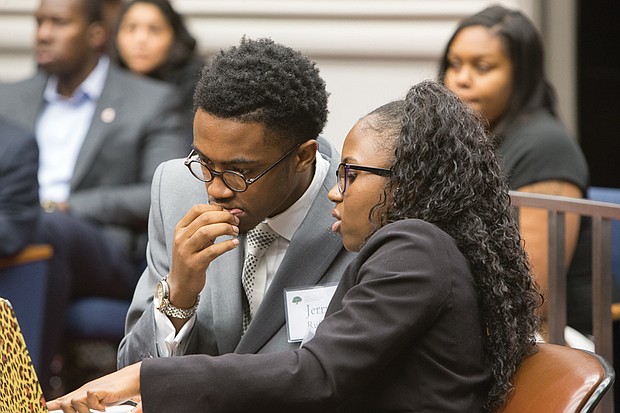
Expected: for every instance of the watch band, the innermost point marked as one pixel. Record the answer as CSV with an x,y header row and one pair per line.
x,y
176,312
170,310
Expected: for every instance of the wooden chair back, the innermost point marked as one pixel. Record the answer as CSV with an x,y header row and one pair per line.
x,y
602,214
559,379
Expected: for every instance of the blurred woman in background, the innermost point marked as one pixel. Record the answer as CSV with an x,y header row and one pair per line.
x,y
494,62
151,39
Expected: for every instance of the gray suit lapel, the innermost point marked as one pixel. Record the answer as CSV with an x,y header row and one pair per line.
x,y
106,113
33,93
311,252
224,281
23,102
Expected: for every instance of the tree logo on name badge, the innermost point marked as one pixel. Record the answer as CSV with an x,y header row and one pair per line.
x,y
297,299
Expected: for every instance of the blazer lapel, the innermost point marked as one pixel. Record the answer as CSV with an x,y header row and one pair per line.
x,y
33,92
311,252
106,113
224,278
30,90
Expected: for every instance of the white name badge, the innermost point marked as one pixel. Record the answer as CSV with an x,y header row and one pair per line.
x,y
305,309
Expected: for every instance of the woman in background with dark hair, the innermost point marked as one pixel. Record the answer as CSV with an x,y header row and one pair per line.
x,y
151,39
494,62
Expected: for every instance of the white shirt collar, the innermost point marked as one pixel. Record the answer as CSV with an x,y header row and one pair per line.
x,y
91,88
286,223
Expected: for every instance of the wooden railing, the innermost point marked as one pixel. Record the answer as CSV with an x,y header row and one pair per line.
x,y
33,252
601,213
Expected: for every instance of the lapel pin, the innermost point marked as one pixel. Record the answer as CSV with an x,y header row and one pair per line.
x,y
108,115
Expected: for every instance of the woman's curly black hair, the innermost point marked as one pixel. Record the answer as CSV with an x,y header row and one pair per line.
x,y
263,81
445,172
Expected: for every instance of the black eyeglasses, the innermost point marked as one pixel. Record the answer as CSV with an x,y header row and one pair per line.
x,y
343,171
234,180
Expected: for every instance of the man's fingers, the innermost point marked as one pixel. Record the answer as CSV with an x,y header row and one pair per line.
x,y
204,229
93,400
206,236
210,253
61,403
205,214
195,211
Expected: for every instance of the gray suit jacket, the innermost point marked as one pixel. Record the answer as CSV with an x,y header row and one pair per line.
x,y
315,256
113,172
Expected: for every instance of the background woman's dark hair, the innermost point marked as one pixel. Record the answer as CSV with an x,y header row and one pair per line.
x,y
183,47
267,82
93,10
522,43
445,172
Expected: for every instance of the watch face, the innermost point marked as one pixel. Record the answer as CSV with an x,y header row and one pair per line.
x,y
159,295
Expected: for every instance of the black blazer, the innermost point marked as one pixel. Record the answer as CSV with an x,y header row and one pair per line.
x,y
19,188
403,333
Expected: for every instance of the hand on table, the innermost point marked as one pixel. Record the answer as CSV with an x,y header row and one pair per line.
x,y
106,391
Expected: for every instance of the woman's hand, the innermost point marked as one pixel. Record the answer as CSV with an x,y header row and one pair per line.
x,y
110,390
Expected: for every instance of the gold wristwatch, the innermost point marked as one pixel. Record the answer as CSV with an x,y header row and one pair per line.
x,y
162,302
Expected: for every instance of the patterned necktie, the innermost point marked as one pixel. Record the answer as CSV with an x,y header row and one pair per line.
x,y
259,239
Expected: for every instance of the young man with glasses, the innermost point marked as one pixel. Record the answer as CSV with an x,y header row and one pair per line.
x,y
257,162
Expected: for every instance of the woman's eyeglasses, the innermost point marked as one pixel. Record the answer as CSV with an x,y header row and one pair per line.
x,y
343,171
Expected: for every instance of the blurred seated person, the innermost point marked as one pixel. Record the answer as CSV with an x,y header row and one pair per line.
x,y
151,39
19,196
435,312
494,62
101,132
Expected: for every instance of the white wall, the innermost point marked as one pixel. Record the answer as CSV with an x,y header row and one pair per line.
x,y
559,30
368,51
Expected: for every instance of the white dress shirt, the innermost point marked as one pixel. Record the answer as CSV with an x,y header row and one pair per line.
x,y
284,224
61,129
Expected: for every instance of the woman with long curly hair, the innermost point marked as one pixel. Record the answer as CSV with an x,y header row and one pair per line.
x,y
434,314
